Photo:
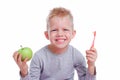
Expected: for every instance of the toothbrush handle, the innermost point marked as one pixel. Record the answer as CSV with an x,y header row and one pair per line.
x,y
93,40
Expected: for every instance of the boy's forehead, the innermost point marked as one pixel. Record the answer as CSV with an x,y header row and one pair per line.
x,y
61,17
57,21
61,21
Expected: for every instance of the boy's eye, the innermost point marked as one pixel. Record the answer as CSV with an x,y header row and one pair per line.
x,y
66,29
53,30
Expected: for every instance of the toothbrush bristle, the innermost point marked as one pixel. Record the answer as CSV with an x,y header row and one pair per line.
x,y
94,33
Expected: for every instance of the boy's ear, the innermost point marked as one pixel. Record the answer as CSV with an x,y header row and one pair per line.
x,y
46,34
73,34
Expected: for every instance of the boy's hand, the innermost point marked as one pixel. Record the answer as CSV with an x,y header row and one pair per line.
x,y
21,64
91,56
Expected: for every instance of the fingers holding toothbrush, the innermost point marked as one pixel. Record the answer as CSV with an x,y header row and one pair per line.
x,y
91,56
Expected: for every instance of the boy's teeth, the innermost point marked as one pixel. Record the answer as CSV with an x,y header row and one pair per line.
x,y
61,40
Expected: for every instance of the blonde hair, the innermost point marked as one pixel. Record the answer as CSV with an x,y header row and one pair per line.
x,y
59,12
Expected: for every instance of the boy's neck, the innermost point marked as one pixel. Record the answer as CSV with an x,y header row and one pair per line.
x,y
56,50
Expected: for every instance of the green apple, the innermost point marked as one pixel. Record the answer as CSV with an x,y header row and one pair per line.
x,y
26,52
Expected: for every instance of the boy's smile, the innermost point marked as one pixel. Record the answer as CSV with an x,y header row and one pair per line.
x,y
60,32
60,40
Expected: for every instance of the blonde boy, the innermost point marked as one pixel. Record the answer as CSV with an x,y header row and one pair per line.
x,y
57,60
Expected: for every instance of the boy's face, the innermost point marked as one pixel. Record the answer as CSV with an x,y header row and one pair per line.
x,y
60,31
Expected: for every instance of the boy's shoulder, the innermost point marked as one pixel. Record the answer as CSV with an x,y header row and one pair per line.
x,y
77,55
41,52
74,49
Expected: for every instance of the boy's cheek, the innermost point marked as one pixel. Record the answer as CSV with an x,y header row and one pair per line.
x,y
71,36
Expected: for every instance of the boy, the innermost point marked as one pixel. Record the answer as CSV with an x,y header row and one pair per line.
x,y
58,60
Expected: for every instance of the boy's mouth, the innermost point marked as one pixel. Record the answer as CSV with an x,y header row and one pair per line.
x,y
60,40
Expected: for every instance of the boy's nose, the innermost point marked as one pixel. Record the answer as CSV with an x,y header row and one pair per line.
x,y
60,33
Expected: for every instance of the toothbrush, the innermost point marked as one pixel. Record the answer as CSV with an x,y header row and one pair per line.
x,y
93,40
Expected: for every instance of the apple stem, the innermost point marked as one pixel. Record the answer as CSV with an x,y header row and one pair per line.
x,y
21,46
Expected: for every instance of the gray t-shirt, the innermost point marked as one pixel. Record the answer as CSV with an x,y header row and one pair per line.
x,y
46,65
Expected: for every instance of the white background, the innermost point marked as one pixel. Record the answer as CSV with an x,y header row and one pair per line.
x,y
23,22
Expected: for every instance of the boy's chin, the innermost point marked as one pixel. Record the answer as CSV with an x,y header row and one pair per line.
x,y
61,46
